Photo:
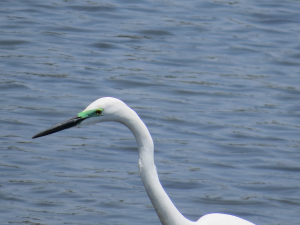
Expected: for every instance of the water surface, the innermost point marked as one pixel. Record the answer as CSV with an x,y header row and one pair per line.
x,y
216,82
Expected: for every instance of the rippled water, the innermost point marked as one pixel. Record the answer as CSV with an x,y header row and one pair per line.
x,y
216,82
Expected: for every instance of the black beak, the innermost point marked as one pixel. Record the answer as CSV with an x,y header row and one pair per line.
x,y
61,126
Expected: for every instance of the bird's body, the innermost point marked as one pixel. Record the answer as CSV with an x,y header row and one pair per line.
x,y
112,109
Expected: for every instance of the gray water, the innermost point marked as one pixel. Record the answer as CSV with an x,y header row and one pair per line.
x,y
216,82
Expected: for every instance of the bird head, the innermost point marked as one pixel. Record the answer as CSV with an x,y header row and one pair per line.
x,y
101,110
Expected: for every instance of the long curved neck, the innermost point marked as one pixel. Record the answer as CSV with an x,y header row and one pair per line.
x,y
165,209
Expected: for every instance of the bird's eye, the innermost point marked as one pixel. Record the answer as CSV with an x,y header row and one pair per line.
x,y
98,112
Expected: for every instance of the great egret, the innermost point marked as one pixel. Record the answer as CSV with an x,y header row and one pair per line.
x,y
112,109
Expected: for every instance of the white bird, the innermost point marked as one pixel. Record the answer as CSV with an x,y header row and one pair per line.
x,y
112,109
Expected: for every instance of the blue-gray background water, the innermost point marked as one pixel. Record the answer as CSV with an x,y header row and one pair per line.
x,y
216,82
